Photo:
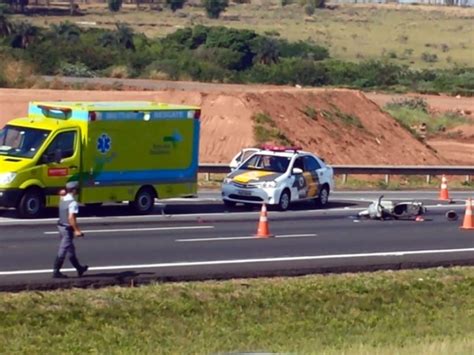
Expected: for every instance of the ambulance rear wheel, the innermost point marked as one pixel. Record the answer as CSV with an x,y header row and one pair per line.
x,y
144,202
31,204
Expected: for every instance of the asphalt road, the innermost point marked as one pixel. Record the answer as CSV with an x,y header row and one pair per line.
x,y
195,240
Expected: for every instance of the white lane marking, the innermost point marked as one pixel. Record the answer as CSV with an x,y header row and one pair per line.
x,y
139,229
247,237
245,261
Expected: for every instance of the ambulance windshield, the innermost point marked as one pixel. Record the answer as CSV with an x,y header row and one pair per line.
x,y
21,142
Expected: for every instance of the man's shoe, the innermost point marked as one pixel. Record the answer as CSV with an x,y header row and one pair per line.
x,y
82,270
59,275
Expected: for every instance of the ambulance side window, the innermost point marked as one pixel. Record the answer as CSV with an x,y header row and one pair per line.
x,y
64,142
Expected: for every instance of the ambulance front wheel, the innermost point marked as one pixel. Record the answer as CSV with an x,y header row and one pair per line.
x,y
144,202
31,204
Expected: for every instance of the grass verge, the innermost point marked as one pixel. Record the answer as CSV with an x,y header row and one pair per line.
x,y
418,311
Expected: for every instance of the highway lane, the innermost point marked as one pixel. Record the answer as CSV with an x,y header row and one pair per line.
x,y
223,245
209,202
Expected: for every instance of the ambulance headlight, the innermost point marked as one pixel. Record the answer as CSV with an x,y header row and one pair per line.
x,y
7,178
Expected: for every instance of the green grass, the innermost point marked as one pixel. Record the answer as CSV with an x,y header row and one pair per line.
x,y
405,312
401,35
435,124
265,130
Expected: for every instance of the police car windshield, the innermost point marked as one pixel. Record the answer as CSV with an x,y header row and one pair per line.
x,y
267,163
20,141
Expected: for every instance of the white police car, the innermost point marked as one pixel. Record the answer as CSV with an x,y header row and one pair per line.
x,y
278,176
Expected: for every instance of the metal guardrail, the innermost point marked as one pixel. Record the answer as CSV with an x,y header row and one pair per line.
x,y
386,170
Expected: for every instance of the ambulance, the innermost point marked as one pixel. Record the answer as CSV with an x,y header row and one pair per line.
x,y
117,151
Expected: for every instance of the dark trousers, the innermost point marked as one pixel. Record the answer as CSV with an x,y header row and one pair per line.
x,y
67,242
66,248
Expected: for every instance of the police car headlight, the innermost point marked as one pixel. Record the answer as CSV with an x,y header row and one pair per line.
x,y
269,184
7,178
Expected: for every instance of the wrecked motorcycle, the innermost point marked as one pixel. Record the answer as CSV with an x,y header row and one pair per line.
x,y
390,210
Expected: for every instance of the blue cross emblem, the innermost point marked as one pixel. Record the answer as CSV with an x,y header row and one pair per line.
x,y
104,143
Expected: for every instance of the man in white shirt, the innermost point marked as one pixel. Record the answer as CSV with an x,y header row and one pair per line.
x,y
68,229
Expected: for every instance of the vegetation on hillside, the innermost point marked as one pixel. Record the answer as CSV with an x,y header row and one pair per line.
x,y
411,113
202,53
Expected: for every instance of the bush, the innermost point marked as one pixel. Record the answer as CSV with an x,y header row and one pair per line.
x,y
309,9
429,57
114,5
215,7
415,103
175,4
302,50
76,70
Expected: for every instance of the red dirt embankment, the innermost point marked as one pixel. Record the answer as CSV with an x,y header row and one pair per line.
x,y
228,125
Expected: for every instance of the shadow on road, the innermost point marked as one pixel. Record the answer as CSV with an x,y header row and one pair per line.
x,y
200,208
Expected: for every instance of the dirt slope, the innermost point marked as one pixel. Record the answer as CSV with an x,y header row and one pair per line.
x,y
228,125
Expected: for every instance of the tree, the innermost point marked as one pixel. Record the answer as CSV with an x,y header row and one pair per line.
x,y
66,31
6,26
215,7
266,50
23,35
114,5
124,35
175,4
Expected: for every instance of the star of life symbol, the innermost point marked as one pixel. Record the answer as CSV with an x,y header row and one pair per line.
x,y
104,143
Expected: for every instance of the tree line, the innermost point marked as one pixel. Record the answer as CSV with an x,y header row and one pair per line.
x,y
212,54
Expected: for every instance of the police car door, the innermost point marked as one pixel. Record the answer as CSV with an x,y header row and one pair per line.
x,y
313,174
299,186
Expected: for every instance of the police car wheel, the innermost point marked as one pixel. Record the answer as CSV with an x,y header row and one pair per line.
x,y
284,202
323,197
31,204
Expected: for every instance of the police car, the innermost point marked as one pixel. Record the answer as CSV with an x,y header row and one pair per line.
x,y
279,176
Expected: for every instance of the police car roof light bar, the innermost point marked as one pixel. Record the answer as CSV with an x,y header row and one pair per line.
x,y
276,148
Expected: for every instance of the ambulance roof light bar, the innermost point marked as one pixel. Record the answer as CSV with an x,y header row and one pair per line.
x,y
63,110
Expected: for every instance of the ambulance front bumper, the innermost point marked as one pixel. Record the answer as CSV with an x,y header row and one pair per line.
x,y
9,197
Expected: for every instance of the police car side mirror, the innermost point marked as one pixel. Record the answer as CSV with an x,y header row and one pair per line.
x,y
297,171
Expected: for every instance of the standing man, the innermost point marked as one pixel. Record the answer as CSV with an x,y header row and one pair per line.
x,y
68,229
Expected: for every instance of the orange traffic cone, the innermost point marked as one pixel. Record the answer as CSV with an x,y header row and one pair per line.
x,y
468,217
263,230
443,193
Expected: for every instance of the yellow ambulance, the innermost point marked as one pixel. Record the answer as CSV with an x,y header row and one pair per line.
x,y
117,151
